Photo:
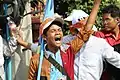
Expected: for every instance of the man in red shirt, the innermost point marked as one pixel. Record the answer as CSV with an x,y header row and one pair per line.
x,y
111,30
111,33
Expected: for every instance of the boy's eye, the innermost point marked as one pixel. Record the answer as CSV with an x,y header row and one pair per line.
x,y
53,30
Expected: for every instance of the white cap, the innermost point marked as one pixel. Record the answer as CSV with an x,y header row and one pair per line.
x,y
76,14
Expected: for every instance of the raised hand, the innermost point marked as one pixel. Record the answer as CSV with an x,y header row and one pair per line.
x,y
97,1
93,14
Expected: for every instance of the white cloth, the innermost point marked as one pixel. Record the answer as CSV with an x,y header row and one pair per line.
x,y
34,47
77,13
6,49
91,56
9,47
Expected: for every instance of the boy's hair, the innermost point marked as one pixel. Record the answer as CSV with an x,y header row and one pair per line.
x,y
113,10
54,22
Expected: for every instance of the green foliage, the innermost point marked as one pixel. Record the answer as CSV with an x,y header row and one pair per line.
x,y
86,5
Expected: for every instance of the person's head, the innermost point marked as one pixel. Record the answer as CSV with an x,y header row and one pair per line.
x,y
51,30
111,16
77,16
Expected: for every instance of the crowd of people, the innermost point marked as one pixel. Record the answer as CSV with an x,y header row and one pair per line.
x,y
85,54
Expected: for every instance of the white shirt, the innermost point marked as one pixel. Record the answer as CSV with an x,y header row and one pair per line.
x,y
91,56
89,60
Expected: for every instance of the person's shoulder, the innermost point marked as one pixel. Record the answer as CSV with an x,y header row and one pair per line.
x,y
64,47
96,42
100,33
96,39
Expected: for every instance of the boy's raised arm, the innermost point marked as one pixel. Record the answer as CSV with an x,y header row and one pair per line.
x,y
85,33
93,15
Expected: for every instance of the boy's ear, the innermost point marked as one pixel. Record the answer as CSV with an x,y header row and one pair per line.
x,y
44,37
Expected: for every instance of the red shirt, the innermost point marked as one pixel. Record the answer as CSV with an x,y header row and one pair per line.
x,y
108,37
68,61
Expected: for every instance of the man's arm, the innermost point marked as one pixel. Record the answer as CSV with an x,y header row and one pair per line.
x,y
31,46
93,15
84,34
110,55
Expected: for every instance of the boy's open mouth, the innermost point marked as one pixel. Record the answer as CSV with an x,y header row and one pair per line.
x,y
57,38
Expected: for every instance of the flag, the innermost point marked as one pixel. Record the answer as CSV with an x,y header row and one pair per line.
x,y
48,12
49,9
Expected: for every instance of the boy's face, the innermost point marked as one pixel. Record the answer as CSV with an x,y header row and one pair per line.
x,y
54,36
109,22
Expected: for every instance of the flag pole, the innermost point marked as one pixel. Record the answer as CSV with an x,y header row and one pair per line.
x,y
49,11
8,63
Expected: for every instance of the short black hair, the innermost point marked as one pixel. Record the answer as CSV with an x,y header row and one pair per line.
x,y
54,22
113,10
